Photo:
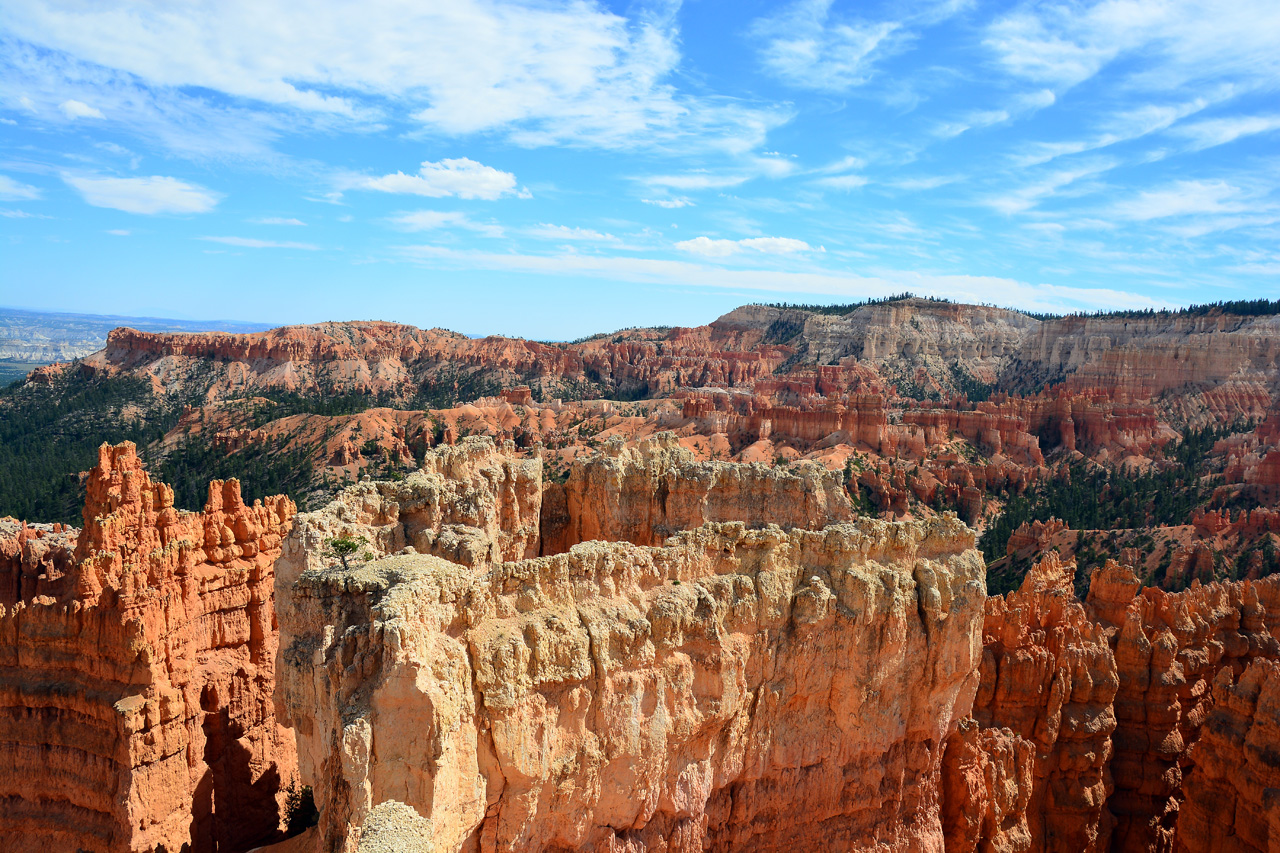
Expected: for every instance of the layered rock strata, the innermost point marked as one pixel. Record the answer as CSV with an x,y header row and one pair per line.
x,y
136,673
643,494
733,689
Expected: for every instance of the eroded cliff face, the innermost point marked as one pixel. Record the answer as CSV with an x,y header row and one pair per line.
x,y
1224,366
727,671
644,493
137,665
733,689
1233,795
1048,675
1169,648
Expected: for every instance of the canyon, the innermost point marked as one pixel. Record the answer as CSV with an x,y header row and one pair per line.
x,y
735,587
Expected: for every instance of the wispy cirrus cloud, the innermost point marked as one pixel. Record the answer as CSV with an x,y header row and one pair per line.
x,y
805,47
575,74
711,248
1185,198
251,243
11,190
431,220
1221,131
148,196
547,231
277,220
965,288
1179,41
668,203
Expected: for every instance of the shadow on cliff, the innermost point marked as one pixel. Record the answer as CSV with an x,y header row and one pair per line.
x,y
231,812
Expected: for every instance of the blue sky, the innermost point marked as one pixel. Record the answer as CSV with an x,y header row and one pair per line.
x,y
554,169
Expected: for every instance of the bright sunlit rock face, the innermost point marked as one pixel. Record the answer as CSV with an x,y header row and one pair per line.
x,y
138,670
684,697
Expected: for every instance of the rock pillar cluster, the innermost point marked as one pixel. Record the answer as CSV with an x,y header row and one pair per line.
x,y
137,665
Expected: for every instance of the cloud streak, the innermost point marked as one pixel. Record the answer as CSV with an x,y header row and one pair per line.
x,y
147,196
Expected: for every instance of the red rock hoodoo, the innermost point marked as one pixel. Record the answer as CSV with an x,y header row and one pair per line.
x,y
137,663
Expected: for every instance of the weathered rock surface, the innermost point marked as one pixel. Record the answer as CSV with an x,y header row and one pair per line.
x,y
1049,676
136,672
647,492
988,776
1169,648
733,689
1233,794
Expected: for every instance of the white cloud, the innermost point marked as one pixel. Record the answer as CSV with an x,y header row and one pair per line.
x,y
669,203
79,109
1184,198
14,213
277,220
1179,41
1120,127
11,190
844,164
709,248
250,243
429,220
461,177
976,119
805,49
842,182
152,195
929,183
573,73
1220,131
962,288
696,181
564,232
119,232
1031,194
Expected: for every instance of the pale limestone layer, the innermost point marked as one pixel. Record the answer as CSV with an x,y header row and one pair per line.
x,y
644,493
733,690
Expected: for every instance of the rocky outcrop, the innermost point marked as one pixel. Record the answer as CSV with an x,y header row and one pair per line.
x,y
1226,365
35,559
1169,648
644,493
470,503
988,776
899,336
1049,676
1233,794
734,689
136,673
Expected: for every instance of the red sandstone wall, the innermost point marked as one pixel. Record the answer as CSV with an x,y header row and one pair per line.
x,y
135,688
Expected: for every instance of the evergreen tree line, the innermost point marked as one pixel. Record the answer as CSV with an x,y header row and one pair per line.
x,y
48,434
1097,498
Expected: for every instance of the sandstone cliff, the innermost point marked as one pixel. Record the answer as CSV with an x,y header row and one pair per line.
x,y
647,492
137,662
733,689
1233,794
1049,676
1169,647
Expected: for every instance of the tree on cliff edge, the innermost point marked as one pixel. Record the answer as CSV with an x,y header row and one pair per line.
x,y
343,547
